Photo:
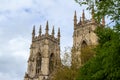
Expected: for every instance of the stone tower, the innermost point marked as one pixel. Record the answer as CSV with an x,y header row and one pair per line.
x,y
83,35
44,55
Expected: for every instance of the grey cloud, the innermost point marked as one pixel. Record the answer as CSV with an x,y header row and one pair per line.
x,y
12,63
28,10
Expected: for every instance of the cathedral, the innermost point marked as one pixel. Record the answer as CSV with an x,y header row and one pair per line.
x,y
45,48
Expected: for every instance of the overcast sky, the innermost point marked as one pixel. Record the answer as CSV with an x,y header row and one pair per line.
x,y
17,18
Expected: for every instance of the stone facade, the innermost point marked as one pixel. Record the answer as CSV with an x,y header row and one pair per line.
x,y
44,55
83,35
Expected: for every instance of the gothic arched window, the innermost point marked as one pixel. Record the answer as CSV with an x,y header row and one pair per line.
x,y
38,63
84,44
84,52
51,62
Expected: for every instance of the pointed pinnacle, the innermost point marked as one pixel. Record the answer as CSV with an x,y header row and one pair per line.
x,y
33,30
47,27
83,17
53,32
83,14
80,19
93,13
59,32
75,15
40,30
58,35
103,21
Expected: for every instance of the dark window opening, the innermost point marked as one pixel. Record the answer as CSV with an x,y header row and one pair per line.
x,y
51,62
38,63
84,44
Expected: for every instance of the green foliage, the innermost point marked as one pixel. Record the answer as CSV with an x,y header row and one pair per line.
x,y
104,35
87,53
106,64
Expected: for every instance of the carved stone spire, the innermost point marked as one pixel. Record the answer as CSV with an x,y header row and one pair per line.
x,y
47,29
53,32
93,14
59,35
33,32
80,21
75,20
40,31
103,21
83,17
